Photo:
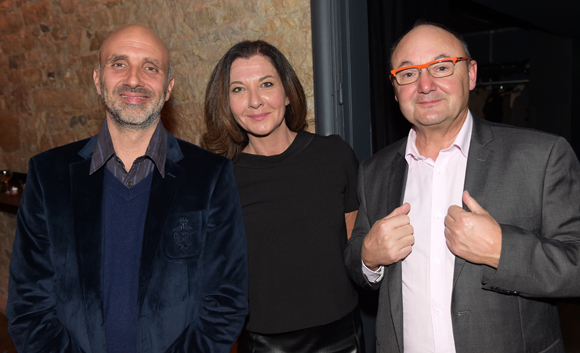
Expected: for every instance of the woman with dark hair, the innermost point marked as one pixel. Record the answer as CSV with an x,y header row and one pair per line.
x,y
298,194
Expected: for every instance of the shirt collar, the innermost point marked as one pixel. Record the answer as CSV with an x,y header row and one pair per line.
x,y
462,141
104,150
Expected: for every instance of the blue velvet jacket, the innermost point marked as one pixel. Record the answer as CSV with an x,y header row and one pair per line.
x,y
192,294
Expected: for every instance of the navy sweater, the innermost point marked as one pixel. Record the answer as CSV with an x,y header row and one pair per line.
x,y
124,212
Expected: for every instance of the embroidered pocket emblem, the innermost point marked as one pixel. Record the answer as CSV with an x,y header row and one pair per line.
x,y
183,234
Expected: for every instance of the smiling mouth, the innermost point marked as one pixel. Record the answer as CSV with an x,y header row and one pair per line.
x,y
134,97
258,116
428,101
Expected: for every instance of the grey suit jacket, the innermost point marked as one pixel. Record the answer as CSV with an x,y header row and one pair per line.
x,y
529,182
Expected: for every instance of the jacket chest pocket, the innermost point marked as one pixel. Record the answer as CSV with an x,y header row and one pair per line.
x,y
184,236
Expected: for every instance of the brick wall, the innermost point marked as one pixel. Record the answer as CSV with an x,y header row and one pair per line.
x,y
48,50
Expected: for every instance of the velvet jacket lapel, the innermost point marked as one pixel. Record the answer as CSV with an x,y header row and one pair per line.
x,y
86,191
161,198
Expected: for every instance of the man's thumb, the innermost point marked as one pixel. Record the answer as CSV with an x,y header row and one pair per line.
x,y
473,205
403,209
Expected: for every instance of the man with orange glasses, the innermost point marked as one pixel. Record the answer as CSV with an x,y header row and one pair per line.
x,y
469,228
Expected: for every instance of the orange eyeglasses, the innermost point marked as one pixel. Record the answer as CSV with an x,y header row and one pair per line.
x,y
438,68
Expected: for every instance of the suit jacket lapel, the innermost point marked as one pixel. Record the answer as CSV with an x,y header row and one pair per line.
x,y
397,185
478,161
398,180
87,200
163,190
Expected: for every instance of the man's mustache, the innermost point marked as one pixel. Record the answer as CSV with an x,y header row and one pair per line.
x,y
129,89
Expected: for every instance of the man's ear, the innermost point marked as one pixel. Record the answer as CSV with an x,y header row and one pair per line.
x,y
394,83
169,88
97,80
472,74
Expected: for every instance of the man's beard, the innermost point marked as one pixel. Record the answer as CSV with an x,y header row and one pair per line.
x,y
132,116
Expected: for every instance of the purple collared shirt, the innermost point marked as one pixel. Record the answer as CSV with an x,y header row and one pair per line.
x,y
155,155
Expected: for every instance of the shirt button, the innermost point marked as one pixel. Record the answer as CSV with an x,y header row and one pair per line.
x,y
439,170
129,183
437,215
437,311
437,261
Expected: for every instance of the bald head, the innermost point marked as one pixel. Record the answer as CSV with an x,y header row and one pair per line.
x,y
137,36
452,35
435,105
133,77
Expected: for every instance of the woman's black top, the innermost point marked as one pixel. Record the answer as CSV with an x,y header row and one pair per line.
x,y
294,206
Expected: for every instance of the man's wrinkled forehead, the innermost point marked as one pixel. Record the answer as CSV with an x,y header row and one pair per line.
x,y
137,36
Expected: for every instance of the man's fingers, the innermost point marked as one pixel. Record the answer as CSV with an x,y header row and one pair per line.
x,y
402,248
453,212
448,221
450,246
405,252
388,244
408,240
390,239
396,225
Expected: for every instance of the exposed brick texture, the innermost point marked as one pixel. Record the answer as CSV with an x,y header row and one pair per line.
x,y
48,49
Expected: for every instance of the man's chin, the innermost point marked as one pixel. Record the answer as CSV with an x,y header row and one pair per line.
x,y
134,122
133,116
427,119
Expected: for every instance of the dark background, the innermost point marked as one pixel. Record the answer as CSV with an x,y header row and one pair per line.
x,y
512,40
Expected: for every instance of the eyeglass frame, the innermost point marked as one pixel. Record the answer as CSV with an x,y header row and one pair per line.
x,y
455,60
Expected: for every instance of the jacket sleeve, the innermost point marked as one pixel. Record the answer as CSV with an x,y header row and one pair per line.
x,y
33,322
544,260
362,226
225,274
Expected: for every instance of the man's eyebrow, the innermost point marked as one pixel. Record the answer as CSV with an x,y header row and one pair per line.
x,y
116,57
154,62
442,56
408,63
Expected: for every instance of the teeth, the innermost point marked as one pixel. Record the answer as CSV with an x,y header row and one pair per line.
x,y
124,96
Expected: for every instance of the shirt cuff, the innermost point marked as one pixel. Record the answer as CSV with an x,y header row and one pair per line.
x,y
373,276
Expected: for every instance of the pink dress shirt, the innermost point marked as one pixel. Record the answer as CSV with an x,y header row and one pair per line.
x,y
432,186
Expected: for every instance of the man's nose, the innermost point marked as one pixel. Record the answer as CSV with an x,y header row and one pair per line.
x,y
425,82
133,78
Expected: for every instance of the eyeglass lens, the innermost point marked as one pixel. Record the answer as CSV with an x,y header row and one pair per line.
x,y
438,69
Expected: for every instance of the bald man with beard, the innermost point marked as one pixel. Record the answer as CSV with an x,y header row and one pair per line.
x,y
132,240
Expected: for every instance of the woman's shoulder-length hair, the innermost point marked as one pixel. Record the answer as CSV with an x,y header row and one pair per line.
x,y
224,136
